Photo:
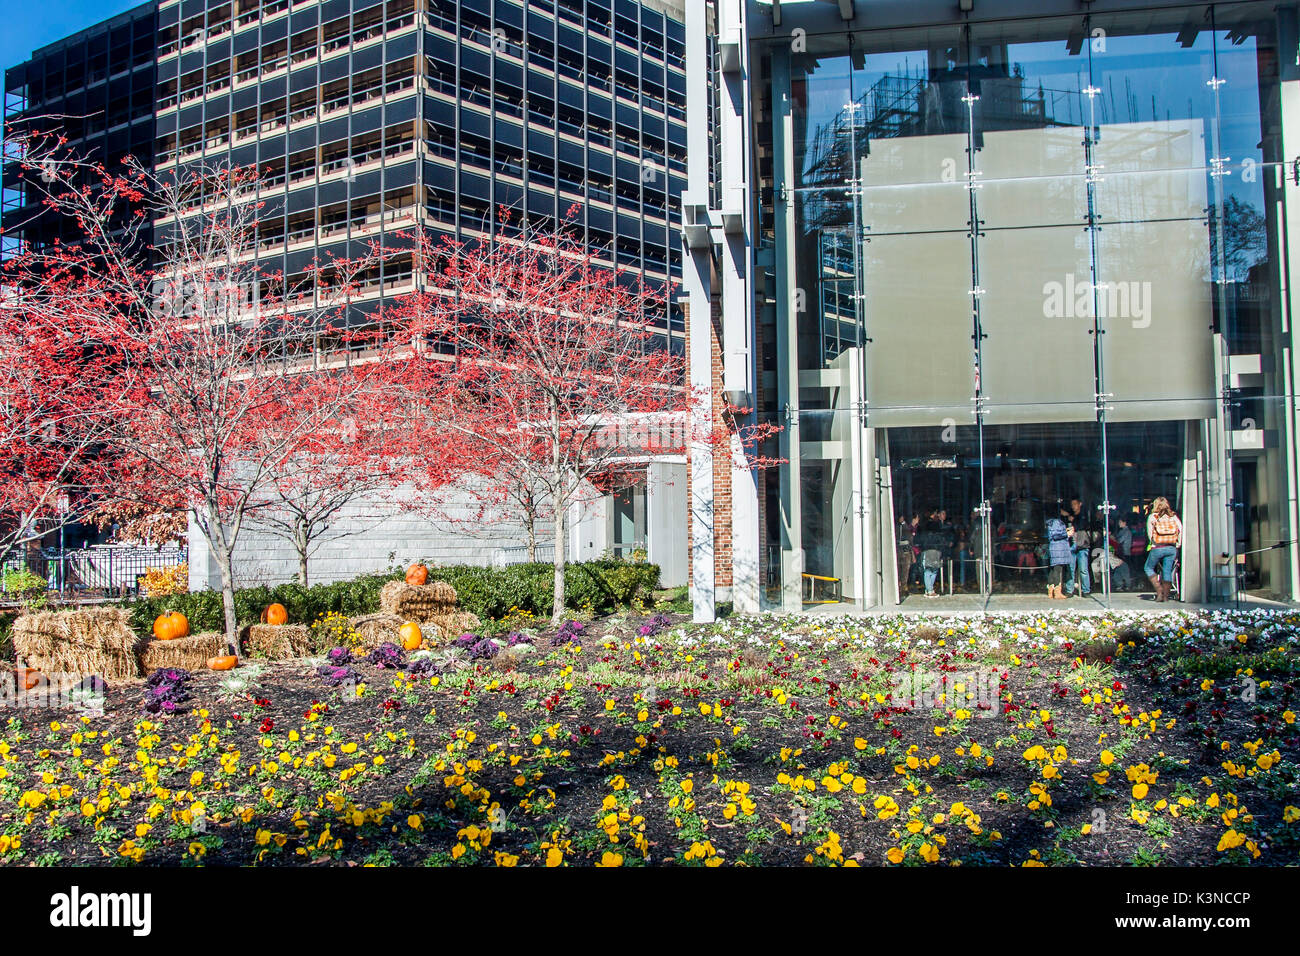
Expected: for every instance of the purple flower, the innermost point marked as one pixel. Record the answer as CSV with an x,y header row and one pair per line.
x,y
334,676
570,631
387,655
167,693
653,626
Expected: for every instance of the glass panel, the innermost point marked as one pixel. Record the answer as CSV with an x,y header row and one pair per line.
x,y
1034,251
1033,473
1155,280
935,473
1146,461
826,495
917,280
1037,360
920,357
1154,299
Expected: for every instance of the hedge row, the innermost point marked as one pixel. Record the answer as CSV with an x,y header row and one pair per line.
x,y
488,592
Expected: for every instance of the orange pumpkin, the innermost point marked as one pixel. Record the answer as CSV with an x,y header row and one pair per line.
x,y
417,574
223,663
275,614
411,636
168,627
27,677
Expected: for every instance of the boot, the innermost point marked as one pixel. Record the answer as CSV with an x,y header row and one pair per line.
x,y
1059,595
1169,587
1158,586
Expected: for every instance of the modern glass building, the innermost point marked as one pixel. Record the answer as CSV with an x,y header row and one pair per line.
x,y
980,263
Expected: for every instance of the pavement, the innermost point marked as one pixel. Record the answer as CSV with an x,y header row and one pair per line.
x,y
1094,603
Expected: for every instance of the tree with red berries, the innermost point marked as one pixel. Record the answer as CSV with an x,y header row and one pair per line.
x,y
375,457
222,372
538,354
51,421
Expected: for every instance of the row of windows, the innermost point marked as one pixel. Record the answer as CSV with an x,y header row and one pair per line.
x,y
93,61
323,216
223,65
312,109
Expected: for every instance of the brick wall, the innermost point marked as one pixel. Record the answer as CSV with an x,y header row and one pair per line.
x,y
721,455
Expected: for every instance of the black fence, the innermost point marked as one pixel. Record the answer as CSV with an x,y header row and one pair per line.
x,y
104,571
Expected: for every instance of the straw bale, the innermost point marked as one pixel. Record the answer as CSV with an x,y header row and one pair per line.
x,y
417,602
376,629
279,642
190,652
81,642
453,624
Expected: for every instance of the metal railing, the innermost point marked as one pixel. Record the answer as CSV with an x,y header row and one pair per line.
x,y
518,554
86,574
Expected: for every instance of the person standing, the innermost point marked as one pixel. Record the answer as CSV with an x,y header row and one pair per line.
x,y
1076,522
906,558
1123,540
1164,538
1059,556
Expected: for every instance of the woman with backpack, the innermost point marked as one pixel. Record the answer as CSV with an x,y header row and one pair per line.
x,y
1164,536
1060,555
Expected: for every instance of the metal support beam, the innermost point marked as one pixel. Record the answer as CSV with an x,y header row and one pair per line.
x,y
697,268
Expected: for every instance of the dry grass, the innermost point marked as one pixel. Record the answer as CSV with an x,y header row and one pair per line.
x,y
190,652
376,629
278,642
420,603
82,642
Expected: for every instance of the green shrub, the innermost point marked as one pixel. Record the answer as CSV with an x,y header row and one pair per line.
x,y
488,592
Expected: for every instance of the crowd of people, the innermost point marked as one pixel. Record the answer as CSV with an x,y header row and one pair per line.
x,y
1073,550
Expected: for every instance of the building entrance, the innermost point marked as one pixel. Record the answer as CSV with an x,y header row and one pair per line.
x,y
972,509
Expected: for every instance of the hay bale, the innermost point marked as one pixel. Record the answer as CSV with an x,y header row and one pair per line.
x,y
278,642
443,592
417,602
376,629
81,642
453,624
190,652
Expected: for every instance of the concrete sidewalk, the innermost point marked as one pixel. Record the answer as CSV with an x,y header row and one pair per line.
x,y
1094,603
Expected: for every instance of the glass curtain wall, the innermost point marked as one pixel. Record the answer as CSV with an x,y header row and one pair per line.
x,y
1022,271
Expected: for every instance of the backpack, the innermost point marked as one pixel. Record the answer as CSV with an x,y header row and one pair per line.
x,y
1165,531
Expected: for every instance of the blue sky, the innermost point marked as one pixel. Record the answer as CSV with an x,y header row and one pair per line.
x,y
29,24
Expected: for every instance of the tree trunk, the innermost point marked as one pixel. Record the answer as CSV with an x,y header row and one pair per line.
x,y
531,524
301,543
560,488
223,550
557,608
228,598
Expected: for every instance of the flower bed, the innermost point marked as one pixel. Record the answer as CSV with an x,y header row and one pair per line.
x,y
1017,739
